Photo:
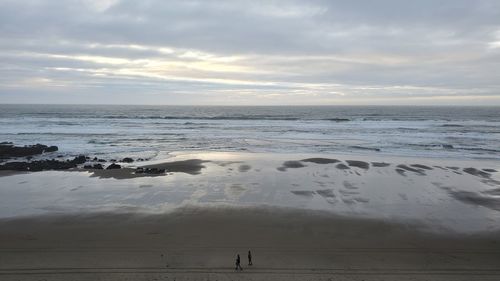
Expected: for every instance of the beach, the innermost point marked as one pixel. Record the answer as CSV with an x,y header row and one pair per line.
x,y
315,193
201,244
249,140
303,216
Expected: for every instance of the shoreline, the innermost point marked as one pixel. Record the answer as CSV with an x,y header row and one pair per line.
x,y
444,194
192,161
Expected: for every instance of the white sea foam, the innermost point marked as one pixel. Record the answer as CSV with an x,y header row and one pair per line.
x,y
116,131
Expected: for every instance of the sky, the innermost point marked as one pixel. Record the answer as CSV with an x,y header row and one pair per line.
x,y
387,52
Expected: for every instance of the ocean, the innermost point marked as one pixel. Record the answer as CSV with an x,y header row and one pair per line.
x,y
114,131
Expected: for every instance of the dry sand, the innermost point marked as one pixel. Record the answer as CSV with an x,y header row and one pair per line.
x,y
201,244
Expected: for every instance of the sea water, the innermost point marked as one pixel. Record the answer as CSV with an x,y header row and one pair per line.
x,y
113,131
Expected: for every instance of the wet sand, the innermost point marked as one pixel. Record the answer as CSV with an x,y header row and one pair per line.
x,y
201,243
305,217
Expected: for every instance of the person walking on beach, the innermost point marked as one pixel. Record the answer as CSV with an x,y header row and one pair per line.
x,y
249,258
238,261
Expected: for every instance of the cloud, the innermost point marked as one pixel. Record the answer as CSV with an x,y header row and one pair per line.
x,y
250,52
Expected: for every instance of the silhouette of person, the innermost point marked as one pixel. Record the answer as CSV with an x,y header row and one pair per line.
x,y
249,258
238,263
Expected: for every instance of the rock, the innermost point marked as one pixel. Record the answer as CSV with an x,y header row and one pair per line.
x,y
51,148
9,150
42,165
113,166
154,171
149,171
37,165
80,159
101,160
94,167
112,160
15,166
127,160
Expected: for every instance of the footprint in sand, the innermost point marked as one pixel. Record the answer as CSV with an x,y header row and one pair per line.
x,y
320,160
244,168
348,201
420,166
361,199
234,190
320,183
490,170
349,185
326,193
347,192
76,188
342,166
439,167
358,164
409,169
380,164
305,193
290,165
494,192
477,172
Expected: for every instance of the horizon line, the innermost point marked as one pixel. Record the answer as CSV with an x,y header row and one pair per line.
x,y
261,105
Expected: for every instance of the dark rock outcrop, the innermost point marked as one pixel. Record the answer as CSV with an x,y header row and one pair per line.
x,y
149,171
8,150
113,166
190,166
127,160
93,167
43,165
80,159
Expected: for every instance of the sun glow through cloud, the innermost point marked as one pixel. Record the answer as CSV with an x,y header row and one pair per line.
x,y
248,53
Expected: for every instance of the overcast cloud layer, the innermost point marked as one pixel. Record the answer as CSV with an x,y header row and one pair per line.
x,y
250,52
